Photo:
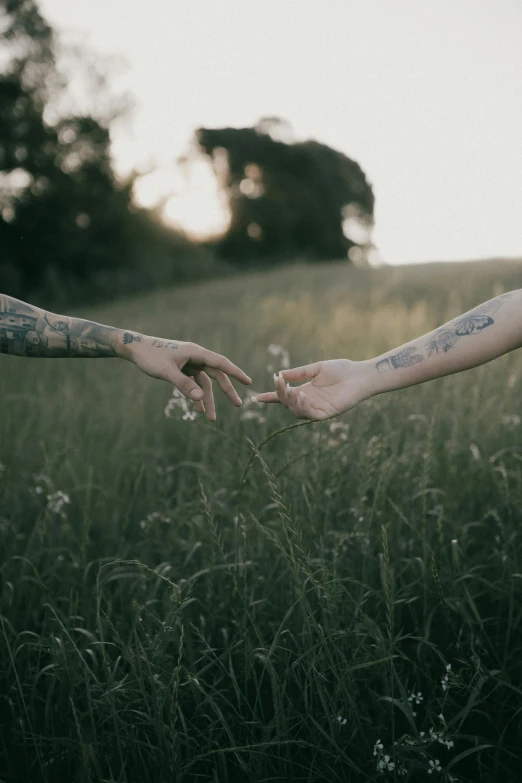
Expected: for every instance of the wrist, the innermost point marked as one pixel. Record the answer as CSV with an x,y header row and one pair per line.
x,y
127,343
372,380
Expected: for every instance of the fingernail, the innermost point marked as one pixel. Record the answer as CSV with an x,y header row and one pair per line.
x,y
196,394
254,399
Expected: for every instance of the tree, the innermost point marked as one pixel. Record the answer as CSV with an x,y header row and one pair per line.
x,y
62,211
286,199
68,227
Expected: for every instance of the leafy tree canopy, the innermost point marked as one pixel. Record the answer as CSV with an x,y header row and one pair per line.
x,y
286,198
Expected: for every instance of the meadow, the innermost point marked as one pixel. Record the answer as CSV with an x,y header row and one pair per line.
x,y
192,601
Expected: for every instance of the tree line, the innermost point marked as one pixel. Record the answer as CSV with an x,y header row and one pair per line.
x,y
70,228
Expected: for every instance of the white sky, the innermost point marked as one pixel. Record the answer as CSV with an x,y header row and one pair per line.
x,y
426,95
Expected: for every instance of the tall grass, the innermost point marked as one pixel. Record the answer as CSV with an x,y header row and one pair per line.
x,y
339,602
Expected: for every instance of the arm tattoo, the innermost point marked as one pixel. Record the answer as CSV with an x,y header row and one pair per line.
x,y
29,331
404,358
165,344
130,337
472,323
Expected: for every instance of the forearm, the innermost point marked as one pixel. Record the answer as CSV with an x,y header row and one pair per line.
x,y
476,337
26,330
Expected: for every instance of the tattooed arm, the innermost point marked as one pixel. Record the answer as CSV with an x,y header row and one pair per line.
x,y
484,333
26,330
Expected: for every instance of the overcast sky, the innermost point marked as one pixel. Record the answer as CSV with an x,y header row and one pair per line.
x,y
426,95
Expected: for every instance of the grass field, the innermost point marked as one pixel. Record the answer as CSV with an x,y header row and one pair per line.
x,y
353,604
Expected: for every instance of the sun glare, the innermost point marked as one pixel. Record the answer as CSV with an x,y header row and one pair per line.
x,y
201,214
193,200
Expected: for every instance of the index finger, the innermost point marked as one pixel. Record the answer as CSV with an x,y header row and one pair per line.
x,y
219,362
266,397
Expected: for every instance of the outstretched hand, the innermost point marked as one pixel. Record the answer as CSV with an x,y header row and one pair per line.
x,y
332,387
189,367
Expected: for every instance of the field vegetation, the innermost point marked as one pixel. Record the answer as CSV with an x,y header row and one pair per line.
x,y
192,601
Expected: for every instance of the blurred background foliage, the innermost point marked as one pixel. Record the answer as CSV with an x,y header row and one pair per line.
x,y
292,199
70,230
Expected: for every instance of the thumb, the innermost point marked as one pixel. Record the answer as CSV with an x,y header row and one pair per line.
x,y
186,385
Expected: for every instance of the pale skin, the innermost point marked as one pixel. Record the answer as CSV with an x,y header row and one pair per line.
x,y
29,331
332,387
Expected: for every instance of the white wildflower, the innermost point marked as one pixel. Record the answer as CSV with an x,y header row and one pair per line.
x,y
342,721
383,760
434,766
279,353
42,484
445,679
154,516
252,416
474,451
377,747
385,763
178,403
250,410
339,430
56,502
418,697
510,420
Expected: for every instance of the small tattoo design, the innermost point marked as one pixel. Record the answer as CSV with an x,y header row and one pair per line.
x,y
57,323
472,323
405,358
441,341
165,344
128,337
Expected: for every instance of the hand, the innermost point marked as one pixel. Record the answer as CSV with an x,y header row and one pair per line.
x,y
333,387
189,368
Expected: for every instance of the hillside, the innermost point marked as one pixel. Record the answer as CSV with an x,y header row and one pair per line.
x,y
352,597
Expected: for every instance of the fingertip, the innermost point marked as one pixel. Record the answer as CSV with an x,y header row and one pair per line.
x,y
197,394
